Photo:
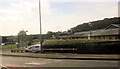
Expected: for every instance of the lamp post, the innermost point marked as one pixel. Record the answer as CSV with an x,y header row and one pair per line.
x,y
119,33
40,37
71,33
90,30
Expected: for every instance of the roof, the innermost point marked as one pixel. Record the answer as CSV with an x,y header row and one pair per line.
x,y
113,26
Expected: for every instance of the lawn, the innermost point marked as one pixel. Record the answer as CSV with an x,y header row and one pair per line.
x,y
7,47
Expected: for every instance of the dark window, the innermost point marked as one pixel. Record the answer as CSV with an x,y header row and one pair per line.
x,y
30,47
36,46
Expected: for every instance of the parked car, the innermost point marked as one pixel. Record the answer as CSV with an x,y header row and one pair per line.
x,y
2,44
33,48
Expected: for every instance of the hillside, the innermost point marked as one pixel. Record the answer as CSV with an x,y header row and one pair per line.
x,y
100,24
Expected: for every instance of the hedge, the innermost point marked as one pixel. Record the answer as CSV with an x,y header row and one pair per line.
x,y
67,42
85,46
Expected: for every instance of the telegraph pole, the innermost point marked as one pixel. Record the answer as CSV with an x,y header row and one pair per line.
x,y
40,37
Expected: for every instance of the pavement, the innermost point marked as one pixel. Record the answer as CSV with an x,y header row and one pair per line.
x,y
64,56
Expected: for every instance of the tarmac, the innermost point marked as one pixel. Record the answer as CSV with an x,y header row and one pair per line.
x,y
115,57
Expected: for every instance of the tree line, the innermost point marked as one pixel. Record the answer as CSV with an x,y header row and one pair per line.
x,y
94,25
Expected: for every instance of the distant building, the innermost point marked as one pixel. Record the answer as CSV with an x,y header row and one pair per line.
x,y
8,39
111,32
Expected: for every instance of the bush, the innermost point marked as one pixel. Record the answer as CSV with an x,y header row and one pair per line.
x,y
67,42
85,46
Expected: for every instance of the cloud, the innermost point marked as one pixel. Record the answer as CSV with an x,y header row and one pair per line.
x,y
45,7
83,12
83,0
23,14
20,14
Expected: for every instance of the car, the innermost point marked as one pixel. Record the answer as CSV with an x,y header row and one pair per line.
x,y
2,44
33,48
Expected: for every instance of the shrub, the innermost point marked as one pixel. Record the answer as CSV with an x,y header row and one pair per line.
x,y
85,46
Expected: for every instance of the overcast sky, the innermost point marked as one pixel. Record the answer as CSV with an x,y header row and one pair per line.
x,y
57,15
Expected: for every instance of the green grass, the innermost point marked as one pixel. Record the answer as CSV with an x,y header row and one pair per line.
x,y
7,47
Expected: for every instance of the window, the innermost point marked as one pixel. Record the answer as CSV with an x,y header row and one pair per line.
x,y
36,46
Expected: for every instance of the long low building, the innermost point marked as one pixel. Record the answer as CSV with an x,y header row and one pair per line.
x,y
111,32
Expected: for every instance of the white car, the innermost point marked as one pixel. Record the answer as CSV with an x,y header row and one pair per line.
x,y
33,48
2,44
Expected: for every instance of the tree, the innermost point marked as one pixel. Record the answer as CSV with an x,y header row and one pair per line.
x,y
22,39
99,24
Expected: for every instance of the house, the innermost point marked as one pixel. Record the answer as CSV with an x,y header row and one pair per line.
x,y
111,32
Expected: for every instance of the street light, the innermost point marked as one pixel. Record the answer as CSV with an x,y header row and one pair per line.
x,y
40,38
119,33
90,30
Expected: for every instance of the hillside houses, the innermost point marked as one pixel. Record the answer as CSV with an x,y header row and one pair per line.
x,y
111,32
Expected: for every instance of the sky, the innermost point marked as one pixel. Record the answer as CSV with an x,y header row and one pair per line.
x,y
57,15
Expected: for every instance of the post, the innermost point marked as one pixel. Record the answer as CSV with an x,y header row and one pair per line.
x,y
71,34
40,37
119,33
90,30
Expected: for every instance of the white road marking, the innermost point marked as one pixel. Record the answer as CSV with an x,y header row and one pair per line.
x,y
34,63
48,61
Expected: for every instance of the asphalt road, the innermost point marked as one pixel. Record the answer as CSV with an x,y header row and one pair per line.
x,y
41,62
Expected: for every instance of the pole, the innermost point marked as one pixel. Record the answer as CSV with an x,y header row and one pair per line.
x,y
40,37
90,30
119,34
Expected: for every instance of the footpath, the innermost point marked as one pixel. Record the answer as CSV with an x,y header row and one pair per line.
x,y
63,56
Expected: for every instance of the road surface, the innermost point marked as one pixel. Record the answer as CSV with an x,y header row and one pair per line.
x,y
41,62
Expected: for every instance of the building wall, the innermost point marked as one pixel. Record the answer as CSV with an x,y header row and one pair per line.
x,y
113,37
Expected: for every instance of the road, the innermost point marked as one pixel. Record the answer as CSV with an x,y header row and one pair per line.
x,y
41,62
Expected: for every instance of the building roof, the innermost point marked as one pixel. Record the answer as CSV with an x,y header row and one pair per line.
x,y
113,26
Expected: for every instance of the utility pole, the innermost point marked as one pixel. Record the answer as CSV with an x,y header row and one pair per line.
x,y
40,37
